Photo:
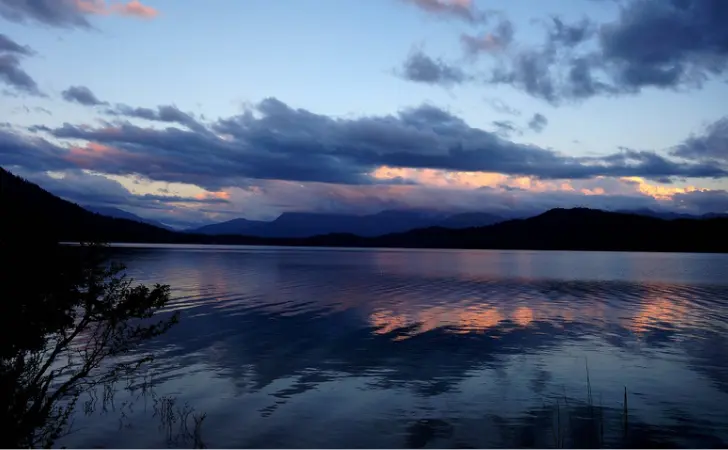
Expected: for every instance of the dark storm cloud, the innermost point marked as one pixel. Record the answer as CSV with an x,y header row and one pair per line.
x,y
660,167
665,43
11,72
82,95
60,13
421,68
31,152
570,34
538,122
532,71
278,142
164,113
712,145
662,44
457,9
7,45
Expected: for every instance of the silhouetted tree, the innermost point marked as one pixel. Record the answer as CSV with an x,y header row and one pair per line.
x,y
70,321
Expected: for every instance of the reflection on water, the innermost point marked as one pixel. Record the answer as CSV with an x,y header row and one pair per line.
x,y
410,348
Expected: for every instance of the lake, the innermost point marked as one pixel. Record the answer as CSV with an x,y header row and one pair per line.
x,y
314,347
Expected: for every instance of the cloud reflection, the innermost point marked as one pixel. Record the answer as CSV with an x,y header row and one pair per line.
x,y
285,327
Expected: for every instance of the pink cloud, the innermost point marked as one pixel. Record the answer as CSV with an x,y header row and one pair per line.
x,y
93,153
136,9
222,195
464,9
132,8
485,43
590,187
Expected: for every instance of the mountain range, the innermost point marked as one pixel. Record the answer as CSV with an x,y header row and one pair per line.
x,y
30,213
299,225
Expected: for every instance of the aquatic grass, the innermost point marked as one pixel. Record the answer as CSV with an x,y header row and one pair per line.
x,y
568,427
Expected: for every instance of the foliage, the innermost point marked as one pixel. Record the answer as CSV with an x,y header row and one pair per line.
x,y
70,322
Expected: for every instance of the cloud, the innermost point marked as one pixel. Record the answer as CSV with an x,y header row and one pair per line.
x,y
666,43
703,202
27,110
269,140
266,199
653,44
164,113
495,41
135,8
570,34
499,106
69,13
87,188
81,95
31,152
7,45
506,128
11,72
533,71
434,190
538,122
661,44
421,68
458,9
712,145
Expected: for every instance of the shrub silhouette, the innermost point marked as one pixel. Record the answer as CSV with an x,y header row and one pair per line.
x,y
70,321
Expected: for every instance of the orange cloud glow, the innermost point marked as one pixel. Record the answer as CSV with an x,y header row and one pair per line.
x,y
485,43
92,150
133,8
471,180
93,153
660,192
443,178
208,195
595,191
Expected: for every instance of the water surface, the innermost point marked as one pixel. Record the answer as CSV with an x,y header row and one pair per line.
x,y
306,347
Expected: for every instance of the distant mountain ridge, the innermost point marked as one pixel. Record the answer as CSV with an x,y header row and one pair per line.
x,y
31,214
670,215
300,225
117,213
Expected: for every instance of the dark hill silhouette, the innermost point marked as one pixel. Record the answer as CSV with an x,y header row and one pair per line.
x,y
29,212
579,229
669,215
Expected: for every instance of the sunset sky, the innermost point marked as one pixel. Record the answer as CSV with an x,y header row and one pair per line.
x,y
191,112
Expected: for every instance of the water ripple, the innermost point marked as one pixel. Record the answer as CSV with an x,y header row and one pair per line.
x,y
440,348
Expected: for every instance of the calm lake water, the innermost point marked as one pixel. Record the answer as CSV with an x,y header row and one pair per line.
x,y
303,347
